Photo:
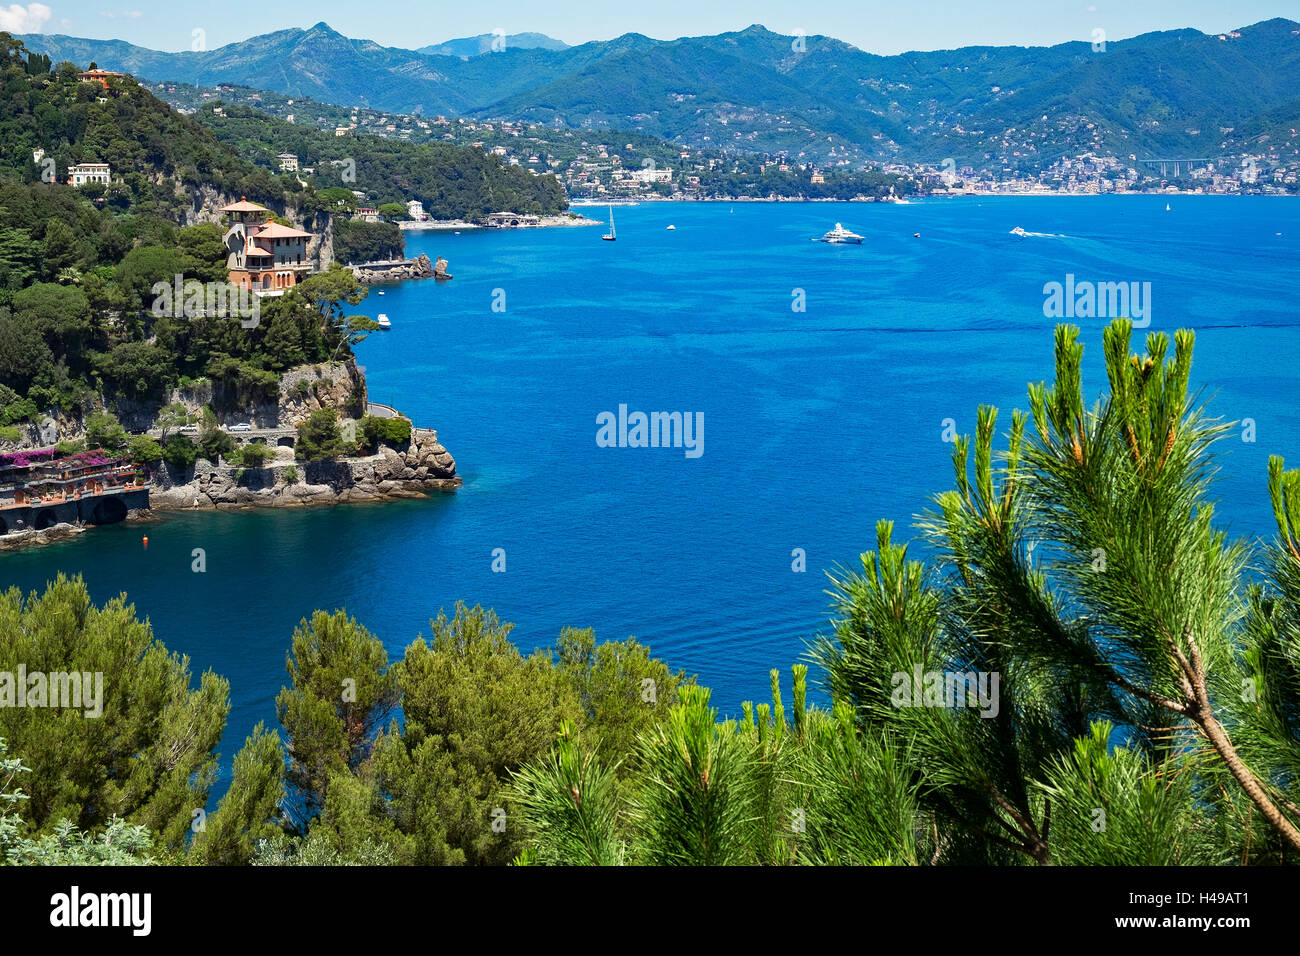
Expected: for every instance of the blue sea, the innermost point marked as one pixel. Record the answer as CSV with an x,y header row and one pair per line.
x,y
823,374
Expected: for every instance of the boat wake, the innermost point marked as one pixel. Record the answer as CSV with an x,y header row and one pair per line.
x,y
1037,235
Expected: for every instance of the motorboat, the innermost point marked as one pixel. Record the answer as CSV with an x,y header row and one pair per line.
x,y
383,321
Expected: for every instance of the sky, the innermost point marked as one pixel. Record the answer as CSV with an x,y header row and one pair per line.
x,y
889,27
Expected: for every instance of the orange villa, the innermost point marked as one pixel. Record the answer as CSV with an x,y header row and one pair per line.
x,y
264,255
99,76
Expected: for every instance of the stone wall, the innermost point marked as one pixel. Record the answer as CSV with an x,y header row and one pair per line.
x,y
423,467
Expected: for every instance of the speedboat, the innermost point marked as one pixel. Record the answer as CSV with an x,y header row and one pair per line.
x,y
672,227
1019,232
383,321
842,236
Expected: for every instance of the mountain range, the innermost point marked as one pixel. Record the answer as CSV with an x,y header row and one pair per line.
x,y
1169,93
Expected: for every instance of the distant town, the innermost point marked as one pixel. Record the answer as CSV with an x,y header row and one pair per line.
x,y
603,165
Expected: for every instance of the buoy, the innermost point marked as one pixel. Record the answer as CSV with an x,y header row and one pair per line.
x,y
146,542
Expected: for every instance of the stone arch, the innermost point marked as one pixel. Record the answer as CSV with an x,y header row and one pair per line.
x,y
46,518
284,441
108,511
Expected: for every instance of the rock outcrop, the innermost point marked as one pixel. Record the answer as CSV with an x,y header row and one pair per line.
x,y
368,273
423,467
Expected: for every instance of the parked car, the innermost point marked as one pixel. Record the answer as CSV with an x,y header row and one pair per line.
x,y
189,429
241,427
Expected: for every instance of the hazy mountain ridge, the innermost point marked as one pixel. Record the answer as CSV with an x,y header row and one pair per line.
x,y
490,42
815,97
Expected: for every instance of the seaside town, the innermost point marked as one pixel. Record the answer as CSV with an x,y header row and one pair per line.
x,y
642,168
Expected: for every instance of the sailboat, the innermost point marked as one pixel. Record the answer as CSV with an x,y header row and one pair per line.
x,y
1166,207
610,235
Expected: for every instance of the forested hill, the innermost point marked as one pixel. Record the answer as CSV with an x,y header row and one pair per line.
x,y
1169,93
159,159
453,182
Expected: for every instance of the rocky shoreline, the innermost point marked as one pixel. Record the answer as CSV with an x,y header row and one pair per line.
x,y
415,472
421,267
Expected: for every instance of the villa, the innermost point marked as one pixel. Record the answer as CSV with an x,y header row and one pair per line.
x,y
265,256
83,173
99,76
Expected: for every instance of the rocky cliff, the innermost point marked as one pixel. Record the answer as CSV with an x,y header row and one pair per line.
x,y
423,467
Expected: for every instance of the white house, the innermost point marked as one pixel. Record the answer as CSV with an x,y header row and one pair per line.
x,y
415,209
288,162
83,173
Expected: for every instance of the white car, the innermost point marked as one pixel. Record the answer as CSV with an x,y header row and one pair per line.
x,y
241,427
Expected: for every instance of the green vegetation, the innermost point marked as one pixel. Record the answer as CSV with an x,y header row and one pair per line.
x,y
253,455
453,182
393,432
179,452
145,450
1085,701
357,241
104,431
319,437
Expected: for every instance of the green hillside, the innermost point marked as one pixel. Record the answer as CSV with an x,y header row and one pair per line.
x,y
812,98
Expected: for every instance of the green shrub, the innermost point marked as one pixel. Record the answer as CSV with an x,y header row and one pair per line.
x,y
254,455
319,437
393,432
104,431
145,450
65,448
179,451
290,475
9,433
213,442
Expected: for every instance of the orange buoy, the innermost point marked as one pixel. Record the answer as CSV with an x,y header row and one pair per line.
x,y
146,542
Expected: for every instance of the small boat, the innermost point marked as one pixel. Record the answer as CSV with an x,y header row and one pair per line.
x,y
916,235
841,236
610,236
672,227
1166,207
1019,232
383,321
381,291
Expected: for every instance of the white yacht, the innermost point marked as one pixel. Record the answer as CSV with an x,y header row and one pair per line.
x,y
841,235
1018,231
383,321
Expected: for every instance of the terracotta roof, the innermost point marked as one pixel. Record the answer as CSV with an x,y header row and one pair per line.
x,y
244,206
273,230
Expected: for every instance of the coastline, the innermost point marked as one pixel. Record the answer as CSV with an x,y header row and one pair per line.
x,y
423,467
460,225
